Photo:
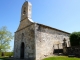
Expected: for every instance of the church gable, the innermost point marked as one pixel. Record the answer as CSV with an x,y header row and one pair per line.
x,y
24,23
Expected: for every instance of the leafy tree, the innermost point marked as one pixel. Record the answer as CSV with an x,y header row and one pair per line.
x,y
5,38
75,39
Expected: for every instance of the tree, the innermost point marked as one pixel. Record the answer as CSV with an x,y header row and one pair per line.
x,y
75,39
5,38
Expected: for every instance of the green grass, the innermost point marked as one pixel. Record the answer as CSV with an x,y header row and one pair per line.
x,y
61,58
3,58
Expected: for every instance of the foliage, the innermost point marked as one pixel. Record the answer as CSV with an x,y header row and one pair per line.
x,y
7,54
61,58
75,39
5,38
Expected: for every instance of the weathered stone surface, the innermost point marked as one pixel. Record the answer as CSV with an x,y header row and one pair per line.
x,y
47,40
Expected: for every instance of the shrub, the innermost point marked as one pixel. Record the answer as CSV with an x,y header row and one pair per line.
x,y
75,39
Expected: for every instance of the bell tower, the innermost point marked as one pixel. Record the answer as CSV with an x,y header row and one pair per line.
x,y
26,19
26,10
24,44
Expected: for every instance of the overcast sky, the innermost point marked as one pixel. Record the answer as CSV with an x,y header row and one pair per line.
x,y
60,14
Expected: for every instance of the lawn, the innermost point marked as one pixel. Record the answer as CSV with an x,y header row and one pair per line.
x,y
62,58
3,58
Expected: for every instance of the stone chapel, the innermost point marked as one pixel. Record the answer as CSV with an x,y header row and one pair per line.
x,y
34,40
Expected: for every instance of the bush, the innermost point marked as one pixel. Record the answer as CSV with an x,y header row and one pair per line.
x,y
75,39
9,54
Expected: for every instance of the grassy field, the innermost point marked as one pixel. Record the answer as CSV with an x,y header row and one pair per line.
x,y
3,58
52,58
61,58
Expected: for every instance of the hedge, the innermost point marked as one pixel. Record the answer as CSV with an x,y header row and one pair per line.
x,y
75,39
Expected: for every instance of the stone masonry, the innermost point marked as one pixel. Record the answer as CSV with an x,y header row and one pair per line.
x,y
34,40
47,39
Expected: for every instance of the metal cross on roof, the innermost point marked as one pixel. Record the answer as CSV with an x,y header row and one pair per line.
x,y
64,39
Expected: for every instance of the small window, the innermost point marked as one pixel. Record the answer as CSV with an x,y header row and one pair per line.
x,y
24,11
39,28
22,36
68,43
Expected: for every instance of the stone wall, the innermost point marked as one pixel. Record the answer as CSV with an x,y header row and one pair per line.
x,y
47,40
73,51
28,40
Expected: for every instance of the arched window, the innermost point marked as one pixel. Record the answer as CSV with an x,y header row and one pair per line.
x,y
68,43
22,36
24,11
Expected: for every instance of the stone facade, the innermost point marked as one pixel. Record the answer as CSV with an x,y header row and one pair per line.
x,y
25,34
38,40
28,40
